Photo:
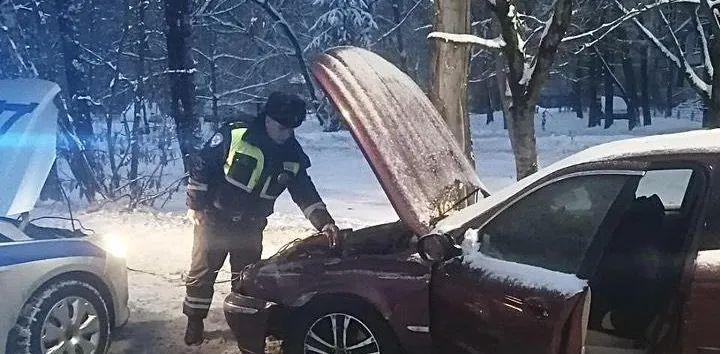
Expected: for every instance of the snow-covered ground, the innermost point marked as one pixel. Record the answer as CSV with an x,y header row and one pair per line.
x,y
159,241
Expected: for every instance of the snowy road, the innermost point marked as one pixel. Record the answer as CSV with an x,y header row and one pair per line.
x,y
159,242
159,247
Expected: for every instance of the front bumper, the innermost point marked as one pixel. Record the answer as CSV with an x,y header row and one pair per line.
x,y
248,319
117,280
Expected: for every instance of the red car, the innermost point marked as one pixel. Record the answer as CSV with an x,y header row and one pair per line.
x,y
612,250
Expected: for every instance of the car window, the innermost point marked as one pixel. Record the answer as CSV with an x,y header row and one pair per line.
x,y
553,226
669,185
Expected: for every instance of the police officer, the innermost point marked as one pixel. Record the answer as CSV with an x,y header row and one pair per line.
x,y
232,188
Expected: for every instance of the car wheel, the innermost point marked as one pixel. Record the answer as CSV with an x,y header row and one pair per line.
x,y
340,327
64,317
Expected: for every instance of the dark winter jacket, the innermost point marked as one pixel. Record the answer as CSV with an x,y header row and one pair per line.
x,y
246,184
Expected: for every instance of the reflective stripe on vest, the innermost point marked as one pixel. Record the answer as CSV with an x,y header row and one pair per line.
x,y
292,167
240,157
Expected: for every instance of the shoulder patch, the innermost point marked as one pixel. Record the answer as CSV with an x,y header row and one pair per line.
x,y
216,140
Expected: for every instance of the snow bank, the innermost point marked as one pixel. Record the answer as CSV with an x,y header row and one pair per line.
x,y
520,274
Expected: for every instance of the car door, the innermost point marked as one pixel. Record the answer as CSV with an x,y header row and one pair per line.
x,y
515,287
700,316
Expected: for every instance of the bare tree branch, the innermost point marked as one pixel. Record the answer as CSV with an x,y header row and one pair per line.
x,y
610,71
407,14
703,88
552,36
709,69
298,50
599,33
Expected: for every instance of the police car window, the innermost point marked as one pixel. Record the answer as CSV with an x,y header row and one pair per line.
x,y
553,227
669,185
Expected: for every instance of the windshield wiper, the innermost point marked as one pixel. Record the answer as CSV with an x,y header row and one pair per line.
x,y
443,215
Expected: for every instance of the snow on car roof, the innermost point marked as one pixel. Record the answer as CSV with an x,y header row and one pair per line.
x,y
692,142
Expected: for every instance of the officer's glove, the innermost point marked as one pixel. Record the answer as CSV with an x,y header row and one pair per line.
x,y
332,232
195,217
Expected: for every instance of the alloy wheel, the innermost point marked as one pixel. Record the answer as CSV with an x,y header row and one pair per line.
x,y
339,333
72,326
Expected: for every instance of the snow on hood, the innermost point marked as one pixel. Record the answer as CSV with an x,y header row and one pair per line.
x,y
405,140
28,132
523,275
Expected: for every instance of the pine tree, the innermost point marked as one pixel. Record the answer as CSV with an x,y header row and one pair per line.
x,y
344,22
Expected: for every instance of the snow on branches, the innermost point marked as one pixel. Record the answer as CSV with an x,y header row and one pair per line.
x,y
349,22
495,43
677,57
528,72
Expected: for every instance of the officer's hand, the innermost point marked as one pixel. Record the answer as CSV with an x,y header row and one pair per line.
x,y
332,232
195,217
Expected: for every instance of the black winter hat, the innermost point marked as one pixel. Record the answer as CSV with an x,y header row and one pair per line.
x,y
288,110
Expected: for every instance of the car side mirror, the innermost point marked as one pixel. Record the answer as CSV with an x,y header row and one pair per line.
x,y
434,247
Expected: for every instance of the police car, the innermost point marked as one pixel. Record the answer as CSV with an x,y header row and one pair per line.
x,y
60,290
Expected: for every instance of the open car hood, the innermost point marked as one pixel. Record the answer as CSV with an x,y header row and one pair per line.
x,y
28,133
408,145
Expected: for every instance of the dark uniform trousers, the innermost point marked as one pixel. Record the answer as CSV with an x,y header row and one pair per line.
x,y
214,240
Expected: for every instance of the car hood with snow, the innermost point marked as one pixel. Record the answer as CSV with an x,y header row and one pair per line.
x,y
28,128
408,145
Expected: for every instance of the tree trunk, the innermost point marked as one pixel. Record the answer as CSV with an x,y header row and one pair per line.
x,y
19,45
595,114
712,118
213,80
645,85
110,140
181,69
630,92
669,91
521,128
78,107
490,115
139,97
577,90
397,7
656,96
450,69
503,92
609,94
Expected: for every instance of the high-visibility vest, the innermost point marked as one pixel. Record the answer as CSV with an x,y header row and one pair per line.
x,y
245,165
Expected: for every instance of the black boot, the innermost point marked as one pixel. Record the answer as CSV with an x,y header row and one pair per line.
x,y
195,331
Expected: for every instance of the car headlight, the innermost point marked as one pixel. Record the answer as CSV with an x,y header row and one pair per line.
x,y
114,245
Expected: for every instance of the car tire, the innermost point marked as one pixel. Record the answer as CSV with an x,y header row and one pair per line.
x,y
64,312
361,318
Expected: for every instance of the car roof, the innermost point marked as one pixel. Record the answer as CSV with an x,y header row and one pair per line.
x,y
691,142
697,142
